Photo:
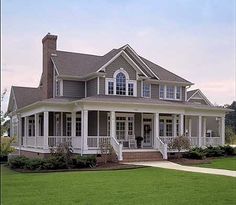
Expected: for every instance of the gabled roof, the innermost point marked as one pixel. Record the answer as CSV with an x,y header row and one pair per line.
x,y
78,64
164,74
25,96
192,93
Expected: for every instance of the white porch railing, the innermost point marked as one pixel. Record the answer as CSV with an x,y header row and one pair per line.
x,y
117,147
39,141
94,142
213,141
194,141
54,141
162,147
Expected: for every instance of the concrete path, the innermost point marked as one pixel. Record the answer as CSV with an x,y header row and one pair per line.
x,y
171,165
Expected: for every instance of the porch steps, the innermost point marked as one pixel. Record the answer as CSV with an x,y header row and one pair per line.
x,y
141,156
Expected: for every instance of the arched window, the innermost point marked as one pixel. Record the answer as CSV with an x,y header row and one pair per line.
x,y
120,84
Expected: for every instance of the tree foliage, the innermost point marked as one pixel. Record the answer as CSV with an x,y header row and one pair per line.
x,y
6,147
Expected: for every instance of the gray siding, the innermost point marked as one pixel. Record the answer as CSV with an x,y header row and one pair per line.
x,y
92,87
102,86
139,89
154,91
73,88
137,124
118,63
199,101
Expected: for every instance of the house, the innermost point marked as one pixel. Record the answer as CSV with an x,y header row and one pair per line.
x,y
86,100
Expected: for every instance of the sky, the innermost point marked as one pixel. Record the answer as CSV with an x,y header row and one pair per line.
x,y
195,39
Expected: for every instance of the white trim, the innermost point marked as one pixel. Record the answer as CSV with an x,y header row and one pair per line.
x,y
175,91
135,66
98,85
202,95
128,46
110,61
134,82
98,123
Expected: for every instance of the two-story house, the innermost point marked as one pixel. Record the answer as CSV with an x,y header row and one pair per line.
x,y
87,99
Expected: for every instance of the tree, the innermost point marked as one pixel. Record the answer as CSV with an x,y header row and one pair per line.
x,y
180,143
230,118
4,124
230,136
6,147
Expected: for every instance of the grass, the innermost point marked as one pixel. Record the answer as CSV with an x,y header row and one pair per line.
x,y
137,186
221,163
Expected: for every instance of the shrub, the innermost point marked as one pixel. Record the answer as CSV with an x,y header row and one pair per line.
x,y
228,150
85,161
180,142
194,154
18,162
35,164
6,147
56,162
214,151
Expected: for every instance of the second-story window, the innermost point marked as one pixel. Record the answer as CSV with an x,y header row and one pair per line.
x,y
120,84
170,92
162,91
58,88
130,89
178,92
110,88
146,90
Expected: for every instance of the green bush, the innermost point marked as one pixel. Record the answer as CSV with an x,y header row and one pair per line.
x,y
194,154
228,150
85,161
35,164
214,151
56,162
18,162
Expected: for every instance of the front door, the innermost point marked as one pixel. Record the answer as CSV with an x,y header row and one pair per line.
x,y
147,132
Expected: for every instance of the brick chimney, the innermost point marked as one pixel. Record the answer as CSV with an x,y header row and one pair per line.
x,y
49,48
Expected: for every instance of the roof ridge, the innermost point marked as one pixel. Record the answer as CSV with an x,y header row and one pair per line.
x,y
78,53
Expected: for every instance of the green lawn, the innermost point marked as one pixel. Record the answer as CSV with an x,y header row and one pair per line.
x,y
222,163
137,186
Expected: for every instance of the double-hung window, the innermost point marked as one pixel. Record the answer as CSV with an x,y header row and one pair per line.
x,y
170,92
162,91
146,90
110,87
120,84
130,89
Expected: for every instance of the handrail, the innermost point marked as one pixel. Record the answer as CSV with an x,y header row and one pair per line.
x,y
162,147
117,147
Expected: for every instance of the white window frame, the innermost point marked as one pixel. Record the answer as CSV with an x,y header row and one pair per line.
x,y
150,90
128,81
175,92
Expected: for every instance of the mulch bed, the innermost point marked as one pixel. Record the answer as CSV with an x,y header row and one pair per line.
x,y
184,161
100,167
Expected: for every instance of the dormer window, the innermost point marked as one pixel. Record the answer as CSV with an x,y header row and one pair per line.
x,y
120,84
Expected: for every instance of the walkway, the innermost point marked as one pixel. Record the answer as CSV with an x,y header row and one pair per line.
x,y
171,165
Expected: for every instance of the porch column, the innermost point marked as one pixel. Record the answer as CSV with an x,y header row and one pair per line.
x,y
84,122
189,127
222,130
199,131
36,127
204,131
181,124
73,124
45,129
156,128
174,126
113,124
